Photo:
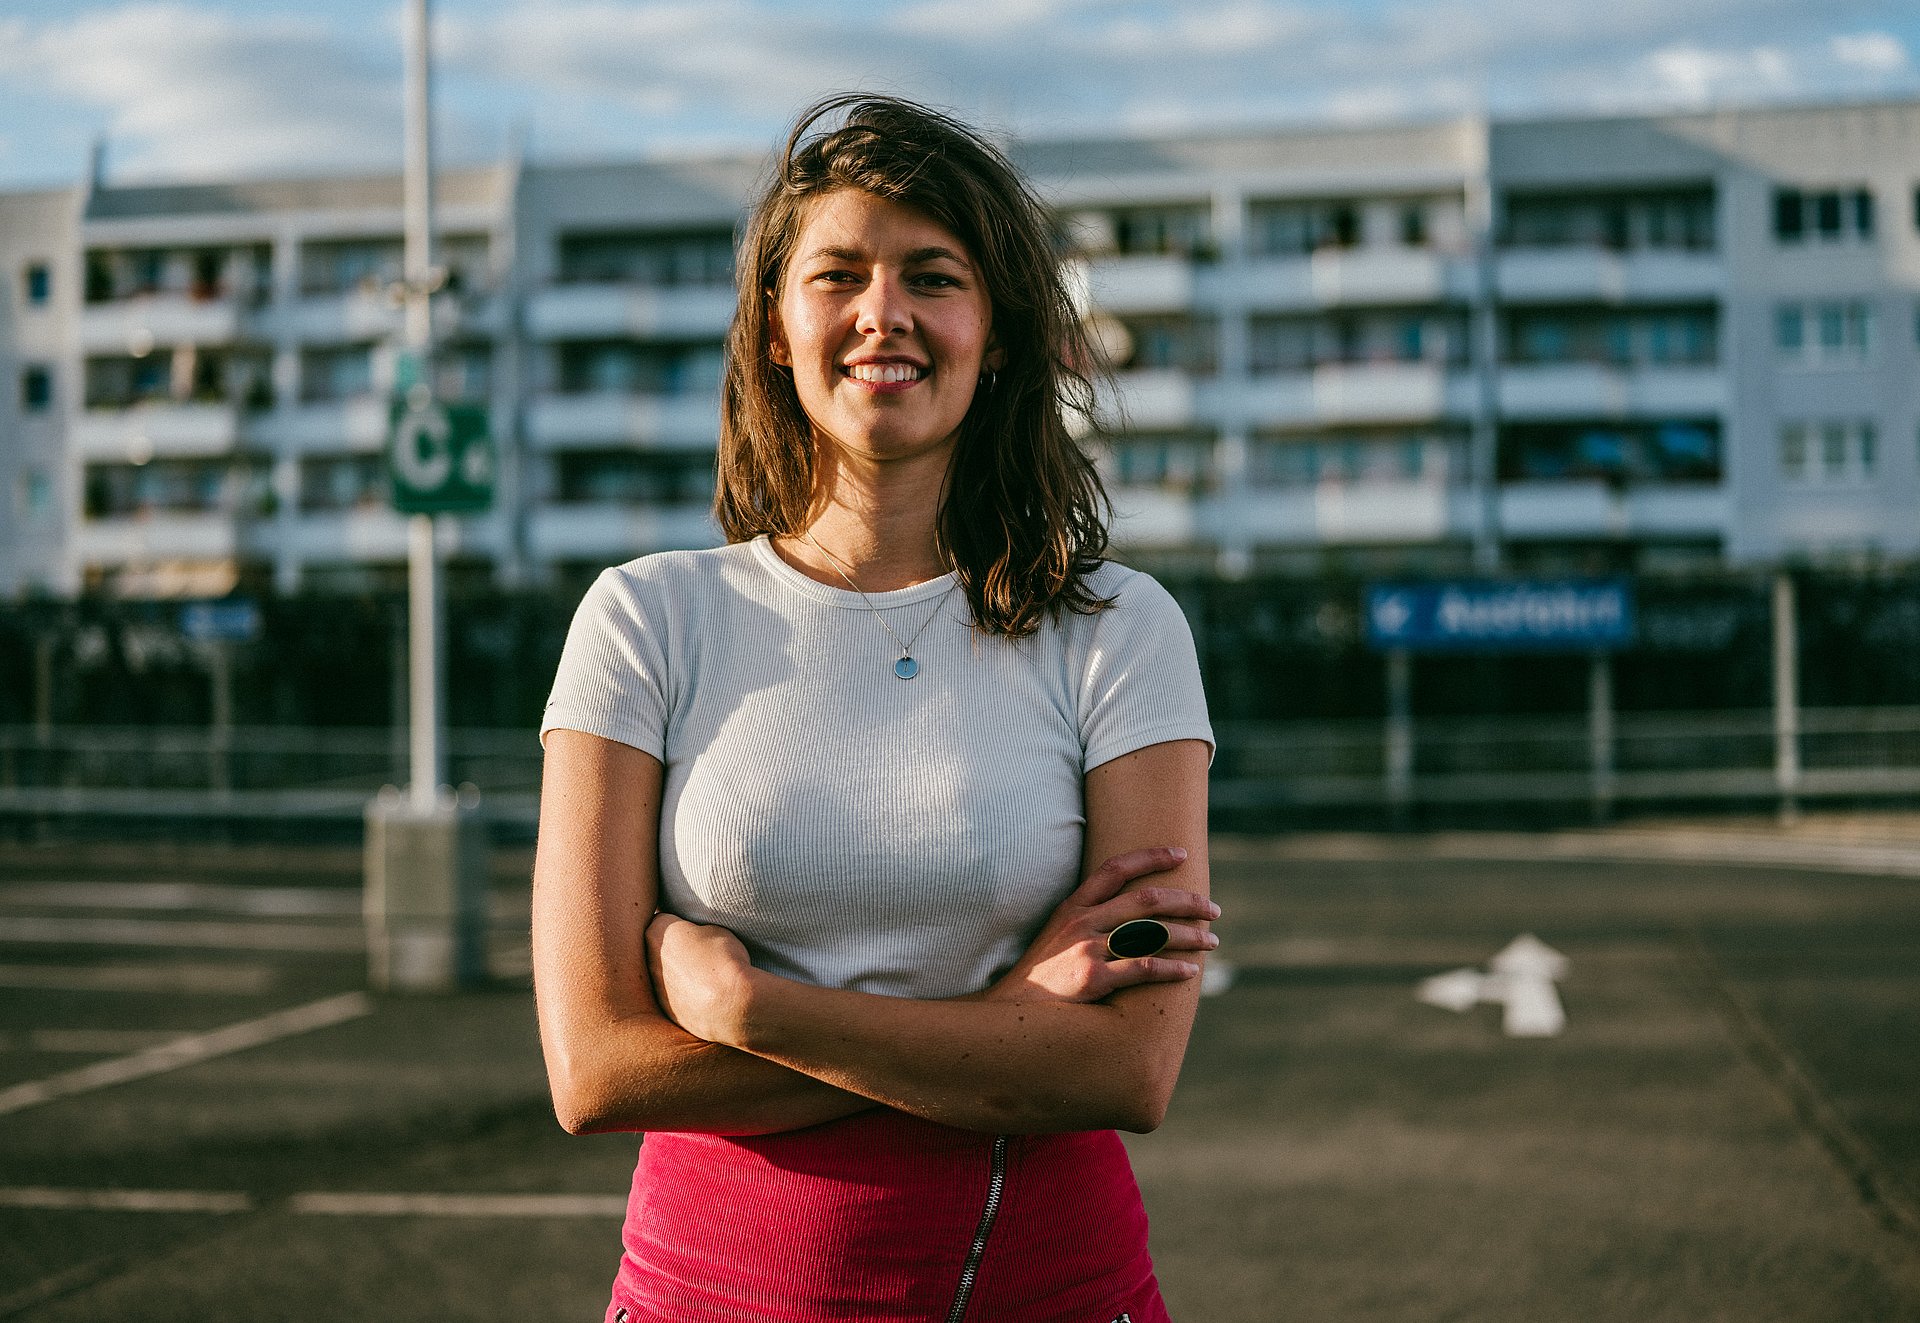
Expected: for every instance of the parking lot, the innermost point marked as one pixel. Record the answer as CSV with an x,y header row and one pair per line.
x,y
204,1115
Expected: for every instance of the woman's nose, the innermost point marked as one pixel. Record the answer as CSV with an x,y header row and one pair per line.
x,y
883,309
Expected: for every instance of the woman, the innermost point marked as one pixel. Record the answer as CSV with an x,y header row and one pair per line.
x,y
855,760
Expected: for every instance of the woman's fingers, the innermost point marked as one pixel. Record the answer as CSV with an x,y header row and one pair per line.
x,y
1150,969
1157,903
1104,882
1182,937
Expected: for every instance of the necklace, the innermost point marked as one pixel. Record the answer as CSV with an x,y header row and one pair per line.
x,y
906,667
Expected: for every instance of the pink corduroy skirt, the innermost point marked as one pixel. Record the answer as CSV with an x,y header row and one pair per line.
x,y
885,1218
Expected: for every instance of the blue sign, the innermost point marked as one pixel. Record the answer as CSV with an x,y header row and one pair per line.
x,y
220,622
1496,615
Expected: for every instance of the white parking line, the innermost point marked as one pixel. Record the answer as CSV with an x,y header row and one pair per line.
x,y
276,902
94,1042
187,1051
324,1203
219,933
164,977
350,1204
127,1201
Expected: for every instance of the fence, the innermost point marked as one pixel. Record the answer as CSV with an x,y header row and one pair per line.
x,y
1276,773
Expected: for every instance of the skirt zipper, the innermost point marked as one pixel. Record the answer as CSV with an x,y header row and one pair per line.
x,y
996,1186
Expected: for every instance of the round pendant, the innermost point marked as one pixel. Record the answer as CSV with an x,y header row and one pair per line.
x,y
906,668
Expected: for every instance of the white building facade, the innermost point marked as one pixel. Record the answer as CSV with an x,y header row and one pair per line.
x,y
1547,346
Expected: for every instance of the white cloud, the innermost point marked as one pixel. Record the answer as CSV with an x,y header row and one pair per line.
x,y
1694,76
185,92
1881,52
197,90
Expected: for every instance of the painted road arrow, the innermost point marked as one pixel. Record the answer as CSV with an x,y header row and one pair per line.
x,y
1520,977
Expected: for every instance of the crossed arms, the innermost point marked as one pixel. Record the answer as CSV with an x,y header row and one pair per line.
x,y
653,1023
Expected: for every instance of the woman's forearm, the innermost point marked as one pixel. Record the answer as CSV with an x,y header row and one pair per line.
x,y
641,1072
999,1066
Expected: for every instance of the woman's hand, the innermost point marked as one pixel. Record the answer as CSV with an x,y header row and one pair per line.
x,y
1068,960
699,974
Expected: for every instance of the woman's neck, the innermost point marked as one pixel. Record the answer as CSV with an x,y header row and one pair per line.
x,y
879,527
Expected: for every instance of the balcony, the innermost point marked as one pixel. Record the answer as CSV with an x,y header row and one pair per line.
x,y
357,425
147,431
606,418
1596,390
1355,277
1586,275
589,312
1153,283
158,536
611,533
150,319
1152,399
355,315
1590,509
1333,513
1360,393
368,534
1156,517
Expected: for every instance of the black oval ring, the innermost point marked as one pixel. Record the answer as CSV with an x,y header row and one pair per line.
x,y
1136,938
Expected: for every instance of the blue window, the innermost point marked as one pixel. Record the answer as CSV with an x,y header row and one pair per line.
x,y
39,283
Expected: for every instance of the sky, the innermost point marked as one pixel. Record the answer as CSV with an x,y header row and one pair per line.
x,y
185,89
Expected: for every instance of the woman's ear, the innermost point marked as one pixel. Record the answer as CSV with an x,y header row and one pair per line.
x,y
995,358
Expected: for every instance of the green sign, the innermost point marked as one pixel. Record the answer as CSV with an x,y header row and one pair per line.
x,y
439,456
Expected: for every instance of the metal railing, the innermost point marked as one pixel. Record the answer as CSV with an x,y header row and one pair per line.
x,y
1702,757
1646,758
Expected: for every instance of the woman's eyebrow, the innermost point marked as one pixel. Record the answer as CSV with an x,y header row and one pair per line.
x,y
934,253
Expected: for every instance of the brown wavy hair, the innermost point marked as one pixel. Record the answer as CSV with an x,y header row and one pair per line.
x,y
1023,515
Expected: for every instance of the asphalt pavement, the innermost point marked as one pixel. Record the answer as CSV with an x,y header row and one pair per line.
x,y
205,1116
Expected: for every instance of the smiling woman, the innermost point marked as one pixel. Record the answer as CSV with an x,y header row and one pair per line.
x,y
843,945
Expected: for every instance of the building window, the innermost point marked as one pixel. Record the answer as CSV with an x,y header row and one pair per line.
x,y
1829,215
343,373
1182,344
626,477
240,485
1395,459
37,282
1675,450
36,388
343,482
1179,462
1828,452
1680,219
33,494
1834,332
633,367
1294,229
1651,337
1413,225
702,258
1793,452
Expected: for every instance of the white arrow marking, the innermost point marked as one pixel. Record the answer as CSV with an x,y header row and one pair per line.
x,y
1521,979
1460,990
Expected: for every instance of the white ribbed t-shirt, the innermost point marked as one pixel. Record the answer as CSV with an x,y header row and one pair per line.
x,y
854,829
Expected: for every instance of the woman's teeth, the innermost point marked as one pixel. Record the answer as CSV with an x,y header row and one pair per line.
x,y
884,373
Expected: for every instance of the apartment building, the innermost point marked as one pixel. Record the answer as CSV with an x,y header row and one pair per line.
x,y
1544,345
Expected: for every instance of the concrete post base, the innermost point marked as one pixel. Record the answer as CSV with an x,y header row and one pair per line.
x,y
426,894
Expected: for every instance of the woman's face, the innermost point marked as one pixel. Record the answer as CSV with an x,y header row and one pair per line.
x,y
886,325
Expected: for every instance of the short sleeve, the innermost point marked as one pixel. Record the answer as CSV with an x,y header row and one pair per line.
x,y
612,680
1141,679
